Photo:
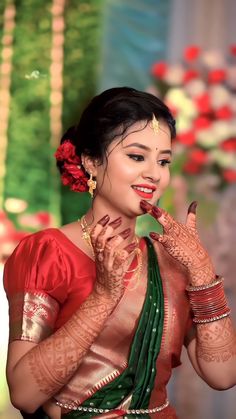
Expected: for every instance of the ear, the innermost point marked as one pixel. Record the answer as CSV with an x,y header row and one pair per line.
x,y
90,164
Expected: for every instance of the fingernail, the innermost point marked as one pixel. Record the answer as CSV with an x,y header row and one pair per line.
x,y
115,223
145,206
156,212
104,220
154,236
131,247
124,234
192,207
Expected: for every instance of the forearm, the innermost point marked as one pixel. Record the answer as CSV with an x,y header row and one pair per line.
x,y
48,366
216,353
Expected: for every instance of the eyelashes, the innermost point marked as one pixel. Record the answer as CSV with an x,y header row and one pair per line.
x,y
139,158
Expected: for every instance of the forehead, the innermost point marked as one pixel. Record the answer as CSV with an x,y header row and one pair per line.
x,y
143,132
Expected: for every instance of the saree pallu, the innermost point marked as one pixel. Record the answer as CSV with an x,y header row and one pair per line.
x,y
136,382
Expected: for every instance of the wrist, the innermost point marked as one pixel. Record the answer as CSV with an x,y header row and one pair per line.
x,y
208,301
202,276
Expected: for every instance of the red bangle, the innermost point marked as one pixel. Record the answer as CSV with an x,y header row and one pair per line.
x,y
208,302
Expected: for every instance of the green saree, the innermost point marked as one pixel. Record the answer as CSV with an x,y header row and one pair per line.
x,y
137,381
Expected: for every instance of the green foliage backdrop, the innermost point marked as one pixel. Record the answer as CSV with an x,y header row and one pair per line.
x,y
29,155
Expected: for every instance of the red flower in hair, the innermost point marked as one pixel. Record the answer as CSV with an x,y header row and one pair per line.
x,y
159,69
66,151
191,53
73,173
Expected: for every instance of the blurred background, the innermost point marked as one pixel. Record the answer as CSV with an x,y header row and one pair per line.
x,y
54,56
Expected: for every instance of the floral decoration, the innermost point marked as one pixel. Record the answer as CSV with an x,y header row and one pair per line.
x,y
201,92
72,171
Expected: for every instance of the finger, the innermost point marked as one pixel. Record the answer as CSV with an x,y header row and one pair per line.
x,y
191,216
111,245
123,254
159,214
102,230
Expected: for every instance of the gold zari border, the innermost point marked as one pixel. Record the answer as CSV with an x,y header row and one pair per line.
x,y
32,316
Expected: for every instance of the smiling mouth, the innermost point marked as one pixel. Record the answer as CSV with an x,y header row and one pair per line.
x,y
144,192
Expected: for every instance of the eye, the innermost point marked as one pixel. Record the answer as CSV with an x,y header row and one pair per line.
x,y
136,157
164,162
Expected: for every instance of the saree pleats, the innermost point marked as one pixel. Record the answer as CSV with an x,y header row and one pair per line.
x,y
136,383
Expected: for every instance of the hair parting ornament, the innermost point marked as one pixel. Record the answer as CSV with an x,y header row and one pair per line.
x,y
155,124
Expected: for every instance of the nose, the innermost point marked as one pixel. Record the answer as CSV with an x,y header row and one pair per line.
x,y
152,173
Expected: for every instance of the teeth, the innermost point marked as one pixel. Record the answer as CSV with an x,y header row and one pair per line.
x,y
146,190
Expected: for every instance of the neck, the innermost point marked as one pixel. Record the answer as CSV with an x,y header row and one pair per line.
x,y
94,214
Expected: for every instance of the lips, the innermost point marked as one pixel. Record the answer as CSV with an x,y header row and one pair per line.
x,y
144,191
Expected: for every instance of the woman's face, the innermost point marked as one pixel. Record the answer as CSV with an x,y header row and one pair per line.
x,y
137,168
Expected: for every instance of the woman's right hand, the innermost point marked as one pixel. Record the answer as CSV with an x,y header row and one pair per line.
x,y
110,257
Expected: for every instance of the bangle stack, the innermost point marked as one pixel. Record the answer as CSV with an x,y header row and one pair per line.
x,y
208,302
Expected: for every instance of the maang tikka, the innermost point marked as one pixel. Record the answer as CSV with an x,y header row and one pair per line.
x,y
155,124
92,184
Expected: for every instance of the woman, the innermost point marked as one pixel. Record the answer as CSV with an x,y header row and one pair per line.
x,y
98,316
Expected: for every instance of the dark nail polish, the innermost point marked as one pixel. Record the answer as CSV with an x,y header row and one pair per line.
x,y
124,234
115,223
145,206
131,247
192,207
154,236
104,220
156,212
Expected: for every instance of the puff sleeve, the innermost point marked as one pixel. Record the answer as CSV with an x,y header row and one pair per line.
x,y
35,284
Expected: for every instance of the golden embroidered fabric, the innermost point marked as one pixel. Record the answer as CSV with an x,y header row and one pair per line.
x,y
32,316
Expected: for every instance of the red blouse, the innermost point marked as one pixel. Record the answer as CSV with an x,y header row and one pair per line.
x,y
46,279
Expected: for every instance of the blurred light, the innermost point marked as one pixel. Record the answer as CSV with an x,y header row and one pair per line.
x,y
15,205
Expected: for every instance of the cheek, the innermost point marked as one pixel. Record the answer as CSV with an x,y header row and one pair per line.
x,y
166,179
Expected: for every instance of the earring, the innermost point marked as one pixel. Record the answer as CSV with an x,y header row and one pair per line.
x,y
92,184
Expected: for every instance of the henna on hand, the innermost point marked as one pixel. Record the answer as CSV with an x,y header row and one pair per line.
x,y
53,362
110,258
182,242
216,341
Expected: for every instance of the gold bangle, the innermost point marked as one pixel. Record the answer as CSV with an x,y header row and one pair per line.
x,y
211,319
217,281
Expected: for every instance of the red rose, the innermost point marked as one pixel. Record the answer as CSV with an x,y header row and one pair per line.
x,y
159,69
66,179
190,75
233,50
198,156
66,151
192,168
202,122
224,113
229,175
191,53
187,138
203,103
216,76
229,145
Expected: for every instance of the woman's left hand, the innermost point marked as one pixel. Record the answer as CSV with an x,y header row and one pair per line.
x,y
182,242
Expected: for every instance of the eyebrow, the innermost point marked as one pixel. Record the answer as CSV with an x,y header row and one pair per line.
x,y
144,147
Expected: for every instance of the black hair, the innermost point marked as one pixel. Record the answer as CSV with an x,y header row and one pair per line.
x,y
110,114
